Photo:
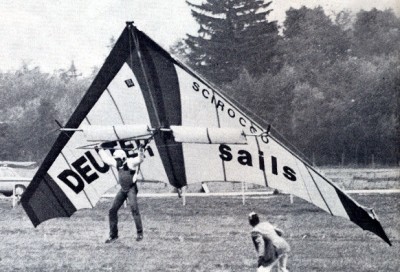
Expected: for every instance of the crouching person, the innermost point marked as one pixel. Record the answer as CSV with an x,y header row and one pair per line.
x,y
272,249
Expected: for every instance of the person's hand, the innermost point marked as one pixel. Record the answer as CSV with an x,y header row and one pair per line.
x,y
141,152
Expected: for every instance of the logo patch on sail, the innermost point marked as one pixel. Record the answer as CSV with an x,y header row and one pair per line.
x,y
129,83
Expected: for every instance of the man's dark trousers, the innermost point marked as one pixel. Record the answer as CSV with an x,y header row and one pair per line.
x,y
121,196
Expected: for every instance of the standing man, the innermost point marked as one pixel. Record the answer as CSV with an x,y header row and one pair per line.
x,y
128,169
271,247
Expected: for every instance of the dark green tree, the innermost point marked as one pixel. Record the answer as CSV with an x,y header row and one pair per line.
x,y
376,32
30,101
44,127
233,34
6,145
312,41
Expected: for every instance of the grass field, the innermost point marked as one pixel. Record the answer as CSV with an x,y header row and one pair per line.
x,y
208,234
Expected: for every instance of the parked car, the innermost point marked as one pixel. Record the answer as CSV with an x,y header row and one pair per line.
x,y
10,180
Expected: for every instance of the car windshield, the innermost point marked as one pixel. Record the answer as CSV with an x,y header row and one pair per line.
x,y
7,172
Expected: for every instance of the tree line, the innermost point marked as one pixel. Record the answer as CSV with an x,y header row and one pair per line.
x,y
329,85
31,102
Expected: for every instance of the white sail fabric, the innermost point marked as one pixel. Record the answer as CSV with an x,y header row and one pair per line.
x,y
212,135
115,133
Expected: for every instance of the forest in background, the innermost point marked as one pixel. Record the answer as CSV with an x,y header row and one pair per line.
x,y
329,85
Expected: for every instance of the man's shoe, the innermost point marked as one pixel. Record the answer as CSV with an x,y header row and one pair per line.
x,y
111,239
139,237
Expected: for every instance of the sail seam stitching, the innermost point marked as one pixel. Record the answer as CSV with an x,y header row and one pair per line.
x,y
319,191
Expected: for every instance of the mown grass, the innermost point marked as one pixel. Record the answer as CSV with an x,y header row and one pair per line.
x,y
208,234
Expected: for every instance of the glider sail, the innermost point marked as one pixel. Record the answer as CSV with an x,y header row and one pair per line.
x,y
141,87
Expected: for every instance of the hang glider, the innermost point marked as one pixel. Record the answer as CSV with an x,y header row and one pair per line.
x,y
140,92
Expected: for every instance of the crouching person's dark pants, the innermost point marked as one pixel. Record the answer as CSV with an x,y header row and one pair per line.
x,y
121,196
